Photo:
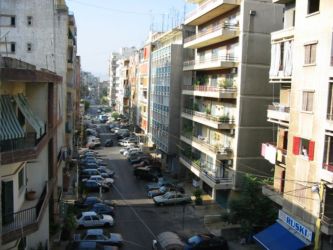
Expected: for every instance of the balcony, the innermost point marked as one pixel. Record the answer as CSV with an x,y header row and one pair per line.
x,y
208,176
212,62
215,151
273,194
273,154
22,149
217,122
326,172
278,113
287,33
26,221
209,10
212,35
210,91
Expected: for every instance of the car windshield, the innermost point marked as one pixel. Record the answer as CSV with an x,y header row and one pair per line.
x,y
194,240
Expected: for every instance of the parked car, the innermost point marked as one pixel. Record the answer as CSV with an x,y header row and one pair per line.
x,y
134,154
89,245
131,151
98,235
101,208
105,172
100,179
89,202
167,241
147,173
164,189
140,158
87,172
94,186
206,241
161,182
172,198
108,143
141,164
92,219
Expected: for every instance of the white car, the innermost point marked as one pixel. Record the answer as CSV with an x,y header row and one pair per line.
x,y
92,219
131,151
100,179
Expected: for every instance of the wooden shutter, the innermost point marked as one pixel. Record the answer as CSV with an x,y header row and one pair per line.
x,y
296,145
311,150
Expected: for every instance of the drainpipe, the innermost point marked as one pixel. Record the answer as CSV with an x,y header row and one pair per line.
x,y
317,240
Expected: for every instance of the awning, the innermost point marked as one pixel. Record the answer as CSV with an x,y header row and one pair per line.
x,y
276,237
33,120
10,127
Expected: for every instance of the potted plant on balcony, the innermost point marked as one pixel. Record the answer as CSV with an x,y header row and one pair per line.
x,y
208,110
224,118
30,195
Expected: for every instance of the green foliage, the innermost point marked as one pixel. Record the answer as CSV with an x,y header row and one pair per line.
x,y
251,209
208,110
86,104
115,115
195,106
104,100
197,194
224,118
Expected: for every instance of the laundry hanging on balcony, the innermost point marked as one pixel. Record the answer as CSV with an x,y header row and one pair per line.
x,y
10,127
33,120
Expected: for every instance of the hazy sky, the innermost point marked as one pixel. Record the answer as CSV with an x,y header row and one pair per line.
x,y
104,26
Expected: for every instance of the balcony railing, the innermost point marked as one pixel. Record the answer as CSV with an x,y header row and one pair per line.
x,y
214,148
207,88
225,58
212,175
200,8
18,224
222,26
29,141
279,107
220,119
328,167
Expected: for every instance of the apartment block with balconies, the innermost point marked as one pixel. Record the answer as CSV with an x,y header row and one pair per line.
x,y
301,68
225,91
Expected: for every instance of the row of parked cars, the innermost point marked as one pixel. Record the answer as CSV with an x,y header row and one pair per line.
x,y
93,213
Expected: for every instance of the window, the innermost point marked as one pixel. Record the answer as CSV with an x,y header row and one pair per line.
x,y
21,179
303,147
29,47
29,20
12,21
310,53
12,47
313,6
7,21
307,101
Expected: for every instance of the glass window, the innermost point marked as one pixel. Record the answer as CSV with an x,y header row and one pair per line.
x,y
307,101
313,6
21,178
310,53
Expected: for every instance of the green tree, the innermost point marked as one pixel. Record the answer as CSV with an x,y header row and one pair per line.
x,y
115,115
86,104
251,209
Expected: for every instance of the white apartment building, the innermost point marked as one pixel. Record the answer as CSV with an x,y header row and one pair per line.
x,y
302,71
225,92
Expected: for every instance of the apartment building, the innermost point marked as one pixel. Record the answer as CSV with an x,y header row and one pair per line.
x,y
302,70
123,93
33,98
114,80
165,94
133,85
225,92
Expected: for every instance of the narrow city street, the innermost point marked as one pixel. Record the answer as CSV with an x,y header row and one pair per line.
x,y
136,217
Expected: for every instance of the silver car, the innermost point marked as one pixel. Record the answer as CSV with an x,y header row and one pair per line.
x,y
172,198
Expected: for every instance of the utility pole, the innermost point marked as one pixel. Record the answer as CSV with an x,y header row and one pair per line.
x,y
317,240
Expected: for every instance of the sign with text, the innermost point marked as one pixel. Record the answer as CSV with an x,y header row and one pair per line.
x,y
294,224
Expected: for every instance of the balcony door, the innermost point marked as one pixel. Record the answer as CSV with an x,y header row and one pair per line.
x,y
7,203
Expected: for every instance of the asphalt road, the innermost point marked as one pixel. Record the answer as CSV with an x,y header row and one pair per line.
x,y
136,217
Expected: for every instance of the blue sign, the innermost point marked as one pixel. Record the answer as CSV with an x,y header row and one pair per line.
x,y
294,224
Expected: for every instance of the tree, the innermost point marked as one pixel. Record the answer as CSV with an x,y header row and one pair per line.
x,y
86,104
115,115
251,209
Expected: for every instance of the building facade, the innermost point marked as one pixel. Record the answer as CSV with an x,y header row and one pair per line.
x,y
225,92
301,70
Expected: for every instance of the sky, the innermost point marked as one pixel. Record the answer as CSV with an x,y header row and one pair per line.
x,y
104,26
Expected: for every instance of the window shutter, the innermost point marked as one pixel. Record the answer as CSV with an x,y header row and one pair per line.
x,y
296,144
311,150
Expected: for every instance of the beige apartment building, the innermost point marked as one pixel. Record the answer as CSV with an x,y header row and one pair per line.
x,y
225,92
302,71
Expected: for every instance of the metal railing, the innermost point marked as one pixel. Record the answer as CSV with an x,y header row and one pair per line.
x,y
214,148
214,118
211,29
207,88
23,218
224,58
29,141
330,117
327,220
279,107
212,175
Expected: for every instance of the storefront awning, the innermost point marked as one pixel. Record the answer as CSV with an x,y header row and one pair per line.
x,y
9,125
33,120
276,237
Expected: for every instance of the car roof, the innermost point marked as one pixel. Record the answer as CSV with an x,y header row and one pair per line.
x,y
96,231
96,176
92,198
88,213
